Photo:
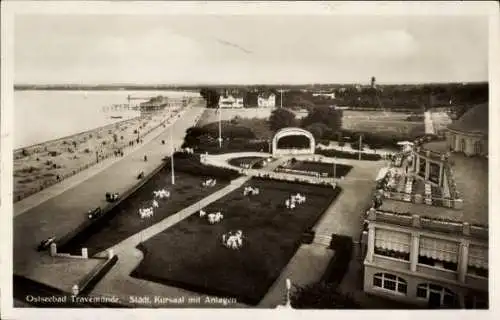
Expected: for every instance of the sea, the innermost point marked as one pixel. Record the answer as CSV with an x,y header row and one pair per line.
x,y
43,115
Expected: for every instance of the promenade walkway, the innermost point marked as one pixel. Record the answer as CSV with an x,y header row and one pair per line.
x,y
65,211
38,198
118,281
429,125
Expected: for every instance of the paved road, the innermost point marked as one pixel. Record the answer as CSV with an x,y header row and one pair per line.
x,y
65,211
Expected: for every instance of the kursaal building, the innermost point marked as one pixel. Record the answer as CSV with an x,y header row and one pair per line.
x,y
427,244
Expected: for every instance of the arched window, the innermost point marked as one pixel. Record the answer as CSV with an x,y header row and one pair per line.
x,y
462,145
477,147
390,282
437,295
452,142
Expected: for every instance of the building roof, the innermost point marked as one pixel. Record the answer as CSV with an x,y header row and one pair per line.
x,y
266,95
475,120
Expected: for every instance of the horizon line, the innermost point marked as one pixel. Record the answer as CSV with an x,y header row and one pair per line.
x,y
243,84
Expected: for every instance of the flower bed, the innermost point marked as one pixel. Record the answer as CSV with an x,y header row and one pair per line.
x,y
349,155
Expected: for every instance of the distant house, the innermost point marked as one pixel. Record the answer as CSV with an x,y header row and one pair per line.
x,y
266,100
231,101
239,101
324,94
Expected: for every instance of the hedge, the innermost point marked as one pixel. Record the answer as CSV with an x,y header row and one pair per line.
x,y
190,163
339,264
349,155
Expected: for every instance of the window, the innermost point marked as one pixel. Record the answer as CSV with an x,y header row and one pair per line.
x,y
438,253
421,168
392,244
476,300
445,297
390,282
434,171
477,147
478,260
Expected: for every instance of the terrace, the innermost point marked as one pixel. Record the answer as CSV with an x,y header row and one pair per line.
x,y
438,224
471,178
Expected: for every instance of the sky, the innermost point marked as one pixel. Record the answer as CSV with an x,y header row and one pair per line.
x,y
249,49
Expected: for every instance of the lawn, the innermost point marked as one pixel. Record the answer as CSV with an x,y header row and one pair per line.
x,y
387,123
390,127
123,221
341,170
190,254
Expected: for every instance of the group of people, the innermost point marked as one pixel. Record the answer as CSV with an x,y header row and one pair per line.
x,y
149,211
250,191
295,200
146,212
212,218
162,193
209,183
118,153
233,240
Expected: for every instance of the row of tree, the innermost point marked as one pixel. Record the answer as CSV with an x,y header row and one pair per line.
x,y
388,97
323,122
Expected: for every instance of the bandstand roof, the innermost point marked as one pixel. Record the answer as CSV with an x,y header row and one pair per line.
x,y
475,120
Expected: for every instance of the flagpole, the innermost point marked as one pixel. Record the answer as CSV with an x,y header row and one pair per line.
x,y
281,100
172,150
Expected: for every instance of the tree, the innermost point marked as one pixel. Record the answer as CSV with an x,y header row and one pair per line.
x,y
193,136
211,96
282,118
321,295
317,129
331,117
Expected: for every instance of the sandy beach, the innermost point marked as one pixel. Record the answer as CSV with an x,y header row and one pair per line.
x,y
39,166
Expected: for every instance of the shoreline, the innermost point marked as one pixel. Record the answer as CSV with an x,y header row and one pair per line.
x,y
74,135
42,165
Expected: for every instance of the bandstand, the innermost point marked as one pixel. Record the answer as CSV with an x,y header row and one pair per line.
x,y
293,131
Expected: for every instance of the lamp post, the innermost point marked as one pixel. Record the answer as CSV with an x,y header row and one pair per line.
x,y
220,127
172,150
334,168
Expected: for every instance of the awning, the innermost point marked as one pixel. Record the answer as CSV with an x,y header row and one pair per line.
x,y
382,173
392,240
439,249
478,257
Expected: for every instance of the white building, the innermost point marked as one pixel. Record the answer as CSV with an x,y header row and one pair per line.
x,y
266,100
325,95
231,101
